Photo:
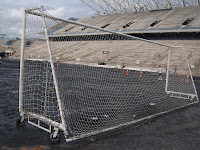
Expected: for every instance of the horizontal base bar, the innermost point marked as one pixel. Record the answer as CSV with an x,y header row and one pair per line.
x,y
39,126
186,94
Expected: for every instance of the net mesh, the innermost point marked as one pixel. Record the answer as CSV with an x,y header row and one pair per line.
x,y
104,79
39,96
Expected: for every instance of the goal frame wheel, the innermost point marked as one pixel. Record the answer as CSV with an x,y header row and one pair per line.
x,y
55,136
20,121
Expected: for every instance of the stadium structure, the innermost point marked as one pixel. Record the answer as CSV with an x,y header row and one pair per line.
x,y
122,6
99,74
177,26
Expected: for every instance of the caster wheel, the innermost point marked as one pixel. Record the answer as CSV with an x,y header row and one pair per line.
x,y
54,139
91,139
20,121
192,99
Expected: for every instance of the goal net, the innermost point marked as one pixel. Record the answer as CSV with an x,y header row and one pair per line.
x,y
180,83
85,80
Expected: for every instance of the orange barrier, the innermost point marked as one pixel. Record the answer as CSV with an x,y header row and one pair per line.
x,y
127,72
141,74
187,79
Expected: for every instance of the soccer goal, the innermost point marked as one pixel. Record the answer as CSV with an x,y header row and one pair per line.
x,y
85,80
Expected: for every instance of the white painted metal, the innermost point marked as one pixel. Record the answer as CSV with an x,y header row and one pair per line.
x,y
54,75
169,92
89,5
167,79
36,8
100,29
39,126
46,120
22,65
190,73
55,132
180,96
29,114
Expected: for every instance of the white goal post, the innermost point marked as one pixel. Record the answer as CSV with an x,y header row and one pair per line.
x,y
84,80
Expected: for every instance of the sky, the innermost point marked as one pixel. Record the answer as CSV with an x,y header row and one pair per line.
x,y
11,12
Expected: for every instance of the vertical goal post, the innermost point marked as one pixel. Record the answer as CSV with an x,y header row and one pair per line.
x,y
54,76
85,82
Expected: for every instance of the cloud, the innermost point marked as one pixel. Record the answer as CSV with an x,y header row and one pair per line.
x,y
11,12
58,12
11,22
15,14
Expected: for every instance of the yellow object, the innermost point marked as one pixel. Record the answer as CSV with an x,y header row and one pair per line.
x,y
152,104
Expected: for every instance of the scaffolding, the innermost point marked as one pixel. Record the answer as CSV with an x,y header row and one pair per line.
x,y
122,6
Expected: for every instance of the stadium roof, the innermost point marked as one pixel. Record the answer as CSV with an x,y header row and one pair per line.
x,y
121,6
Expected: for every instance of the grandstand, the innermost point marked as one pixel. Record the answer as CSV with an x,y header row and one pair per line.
x,y
122,6
178,27
160,21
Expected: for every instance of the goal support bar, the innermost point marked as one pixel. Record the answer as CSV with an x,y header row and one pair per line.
x,y
22,65
54,77
101,29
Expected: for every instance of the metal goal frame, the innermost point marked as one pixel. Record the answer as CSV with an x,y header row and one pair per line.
x,y
63,124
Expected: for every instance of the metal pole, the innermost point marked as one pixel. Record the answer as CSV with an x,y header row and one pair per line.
x,y
190,73
101,29
99,6
166,86
22,66
91,7
54,76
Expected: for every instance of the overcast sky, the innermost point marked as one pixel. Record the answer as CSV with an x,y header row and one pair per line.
x,y
11,12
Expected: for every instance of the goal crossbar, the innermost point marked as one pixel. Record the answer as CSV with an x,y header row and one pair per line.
x,y
93,27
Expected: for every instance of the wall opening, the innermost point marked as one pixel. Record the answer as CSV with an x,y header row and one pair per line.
x,y
106,25
188,21
155,23
128,24
69,29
